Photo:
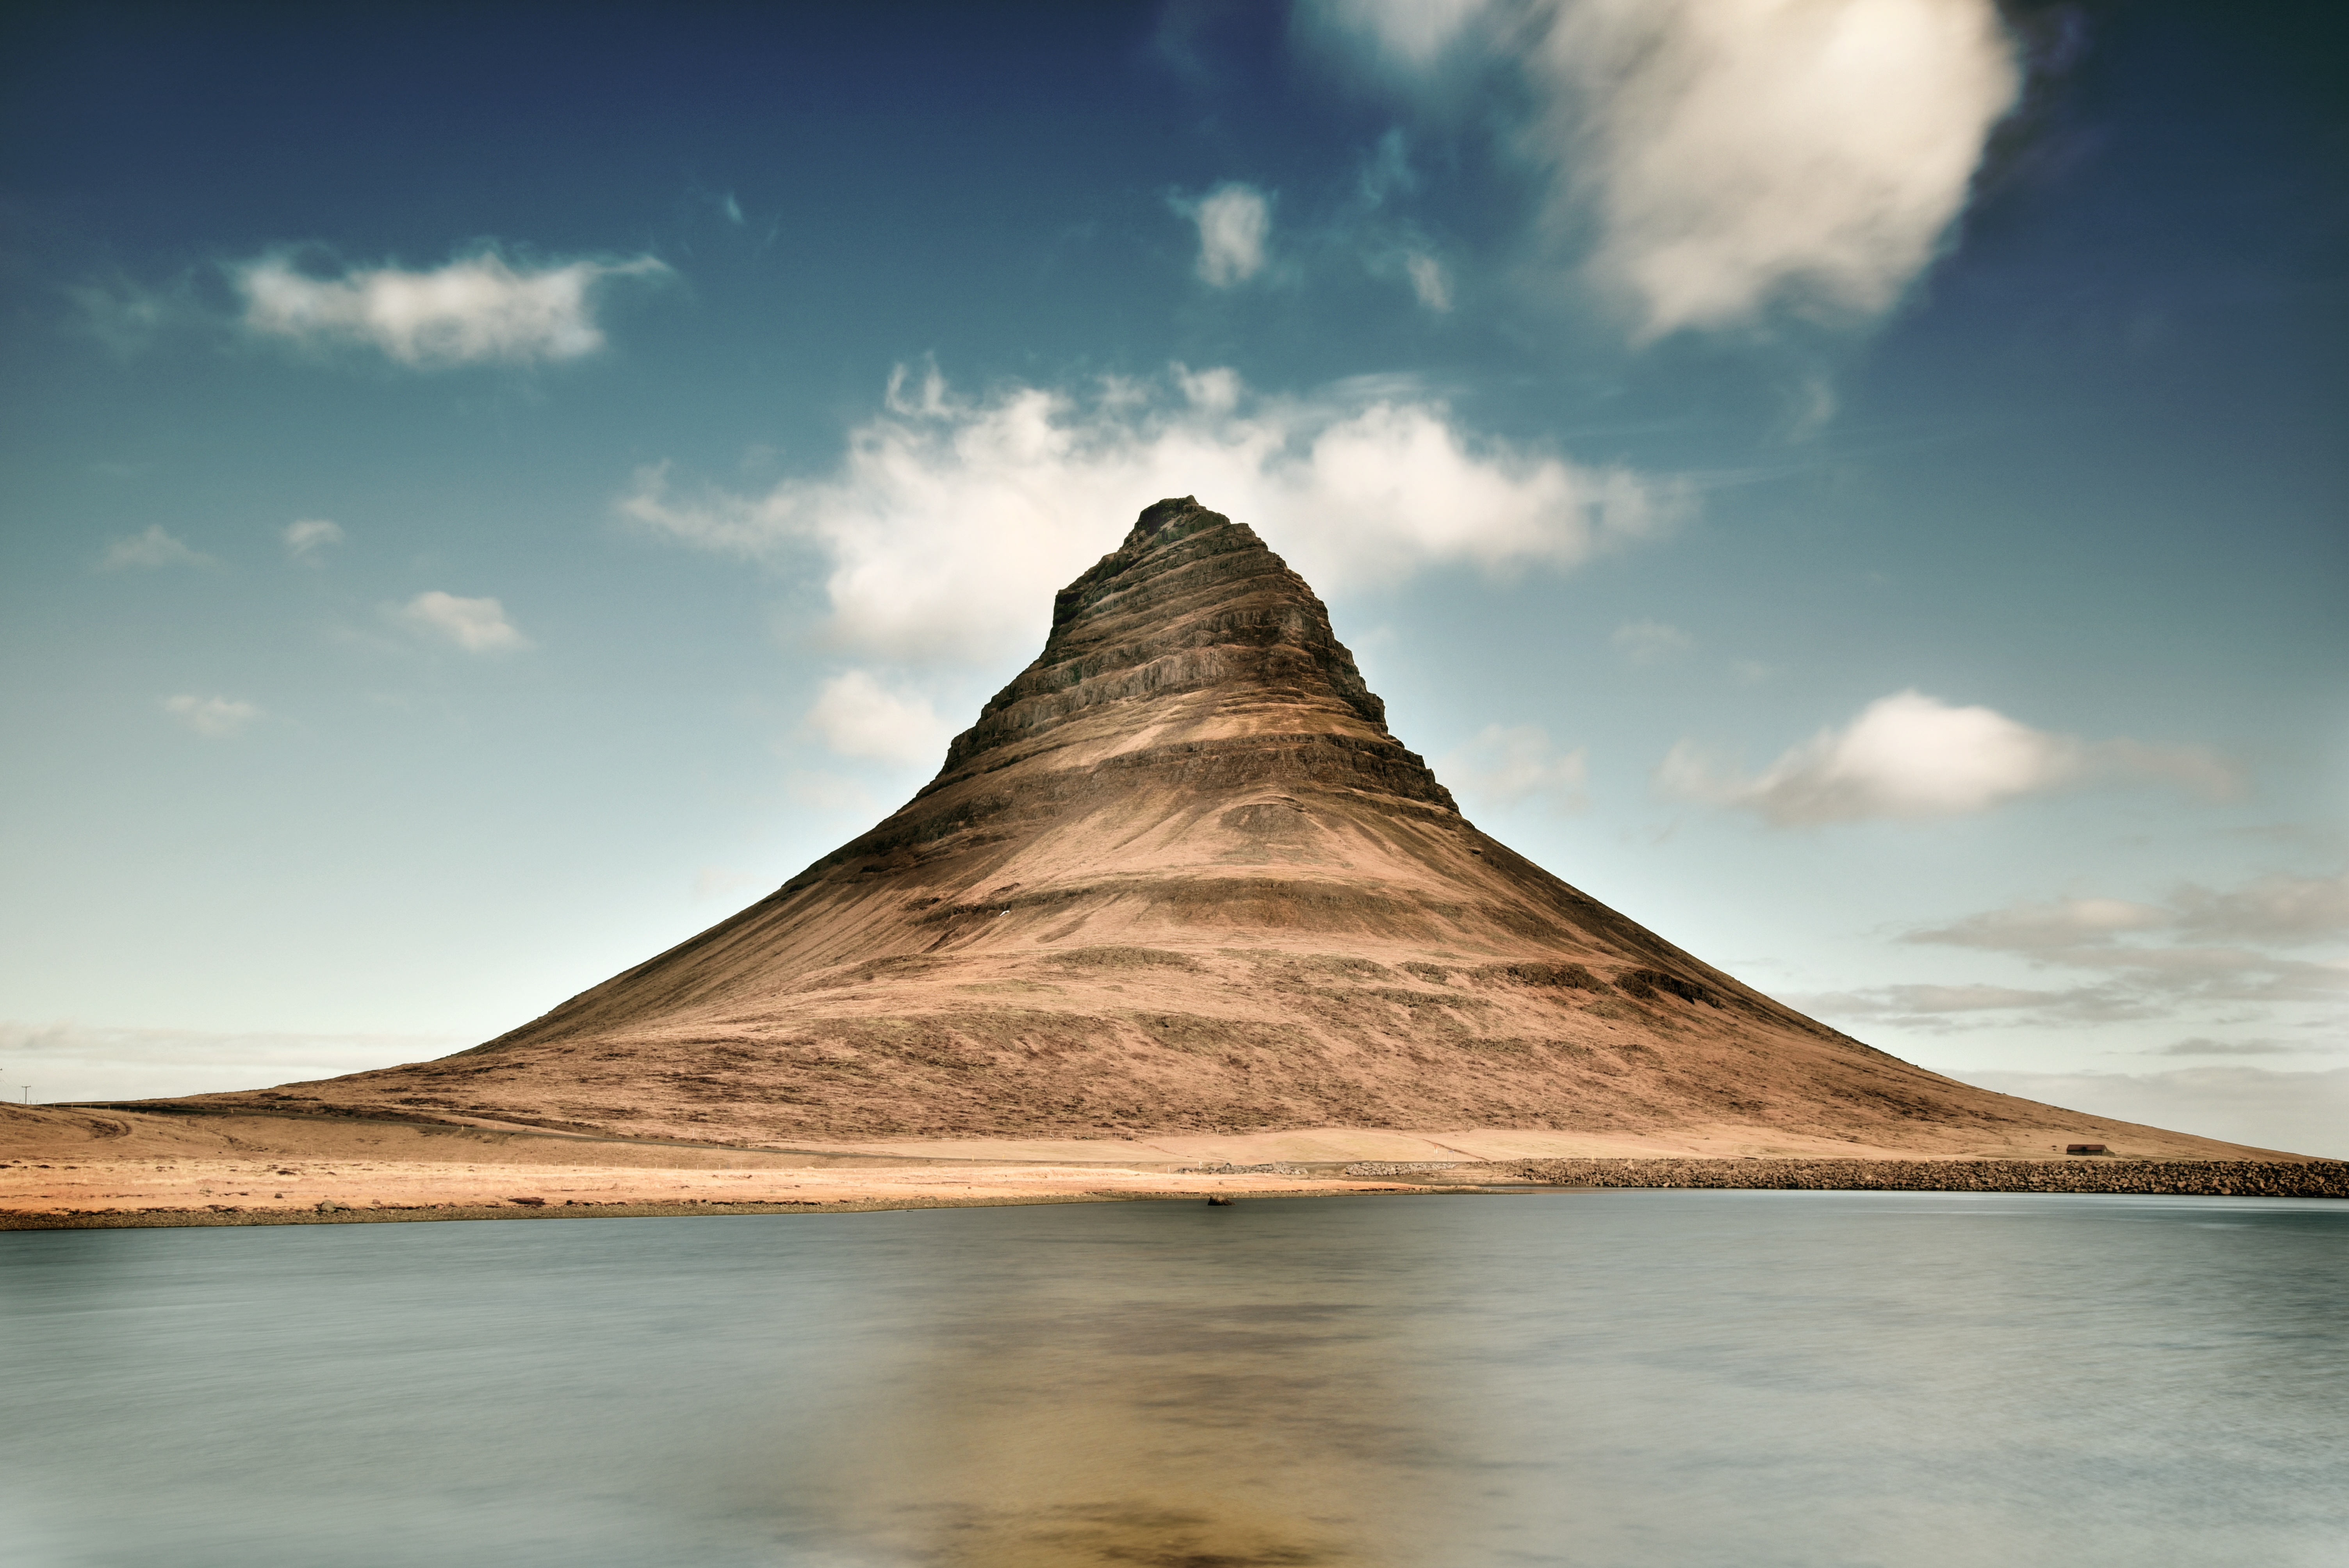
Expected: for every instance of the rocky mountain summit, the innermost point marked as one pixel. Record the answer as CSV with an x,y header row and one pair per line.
x,y
1179,877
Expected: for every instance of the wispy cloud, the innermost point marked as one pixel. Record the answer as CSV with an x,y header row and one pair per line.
x,y
1707,160
1913,757
950,522
1910,1003
307,540
477,309
1650,642
150,550
1505,765
2149,951
2058,927
1429,282
2277,911
2279,908
214,718
2202,1046
476,626
1410,35
2131,960
858,716
126,316
1235,224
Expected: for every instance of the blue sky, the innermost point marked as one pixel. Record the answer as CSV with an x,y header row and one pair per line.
x,y
1855,486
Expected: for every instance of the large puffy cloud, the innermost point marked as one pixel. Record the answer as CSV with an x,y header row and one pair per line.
x,y
1911,756
950,522
1738,150
478,309
1712,157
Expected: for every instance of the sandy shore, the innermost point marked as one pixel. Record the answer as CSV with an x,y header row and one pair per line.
x,y
66,1167
212,1193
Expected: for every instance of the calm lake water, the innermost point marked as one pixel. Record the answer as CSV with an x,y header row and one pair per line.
x,y
1609,1380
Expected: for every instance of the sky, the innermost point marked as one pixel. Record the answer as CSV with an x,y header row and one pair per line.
x,y
1856,485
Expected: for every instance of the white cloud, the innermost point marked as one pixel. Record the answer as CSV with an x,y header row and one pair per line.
x,y
1712,158
2302,1112
1428,281
306,539
1235,222
214,718
1735,151
477,309
1507,764
1650,642
476,626
1913,757
859,716
152,549
949,522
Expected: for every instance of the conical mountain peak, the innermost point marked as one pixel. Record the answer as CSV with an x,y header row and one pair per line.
x,y
1180,878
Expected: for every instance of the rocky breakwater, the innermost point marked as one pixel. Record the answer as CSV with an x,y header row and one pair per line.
x,y
2184,1178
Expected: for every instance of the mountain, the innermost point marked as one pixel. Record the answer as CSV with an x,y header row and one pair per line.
x,y
1179,878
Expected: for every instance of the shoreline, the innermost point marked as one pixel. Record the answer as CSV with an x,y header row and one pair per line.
x,y
2073,1174
181,1219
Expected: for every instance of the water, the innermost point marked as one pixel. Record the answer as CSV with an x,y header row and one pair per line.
x,y
1608,1379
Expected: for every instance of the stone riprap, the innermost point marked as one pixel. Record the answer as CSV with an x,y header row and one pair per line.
x,y
2088,1173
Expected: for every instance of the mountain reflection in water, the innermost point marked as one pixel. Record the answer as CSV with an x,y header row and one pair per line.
x,y
1609,1379
1196,1398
